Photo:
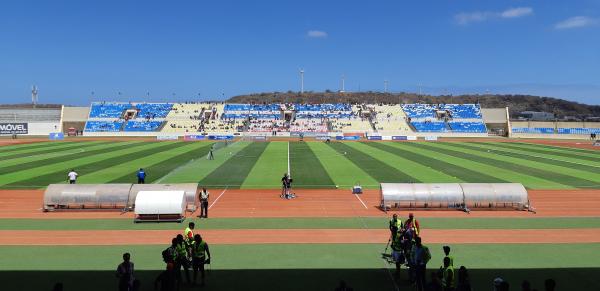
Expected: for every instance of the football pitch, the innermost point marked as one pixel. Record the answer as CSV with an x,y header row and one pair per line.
x,y
260,165
261,242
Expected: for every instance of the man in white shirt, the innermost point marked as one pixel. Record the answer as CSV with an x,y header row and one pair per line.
x,y
203,203
72,177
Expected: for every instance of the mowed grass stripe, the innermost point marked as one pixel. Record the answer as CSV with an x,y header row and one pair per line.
x,y
307,170
198,170
378,169
571,174
560,151
342,171
41,165
156,165
17,153
506,172
420,172
30,146
48,159
234,171
270,166
459,172
522,166
556,151
467,170
542,154
305,223
47,174
580,170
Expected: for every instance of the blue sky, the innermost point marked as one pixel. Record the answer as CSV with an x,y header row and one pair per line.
x,y
223,48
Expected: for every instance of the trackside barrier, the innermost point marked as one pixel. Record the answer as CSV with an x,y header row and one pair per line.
x,y
350,137
194,137
220,137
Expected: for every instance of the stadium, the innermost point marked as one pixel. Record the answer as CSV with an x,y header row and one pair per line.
x,y
515,199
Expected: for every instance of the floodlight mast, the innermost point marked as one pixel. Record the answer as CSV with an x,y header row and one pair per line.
x,y
34,95
301,81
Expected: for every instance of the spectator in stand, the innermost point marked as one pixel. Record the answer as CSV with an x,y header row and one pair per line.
x,y
549,285
125,273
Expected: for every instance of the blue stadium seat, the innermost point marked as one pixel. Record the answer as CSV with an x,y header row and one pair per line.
x,y
103,126
134,125
429,126
470,127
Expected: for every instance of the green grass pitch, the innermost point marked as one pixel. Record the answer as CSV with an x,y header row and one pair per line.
x,y
312,164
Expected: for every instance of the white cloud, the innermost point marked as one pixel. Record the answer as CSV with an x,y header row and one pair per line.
x,y
465,18
576,22
316,34
516,12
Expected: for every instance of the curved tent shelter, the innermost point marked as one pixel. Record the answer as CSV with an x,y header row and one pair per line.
x,y
160,206
108,196
191,192
86,196
462,196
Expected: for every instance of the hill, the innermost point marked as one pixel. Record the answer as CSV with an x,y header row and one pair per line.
x,y
516,103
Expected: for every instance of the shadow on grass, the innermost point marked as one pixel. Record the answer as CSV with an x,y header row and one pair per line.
x,y
298,279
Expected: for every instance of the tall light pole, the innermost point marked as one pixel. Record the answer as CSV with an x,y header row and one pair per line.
x,y
34,95
385,86
301,81
343,84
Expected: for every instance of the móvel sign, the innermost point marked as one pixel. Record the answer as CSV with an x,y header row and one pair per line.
x,y
13,128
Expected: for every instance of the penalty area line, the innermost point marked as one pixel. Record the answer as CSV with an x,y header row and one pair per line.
x,y
215,202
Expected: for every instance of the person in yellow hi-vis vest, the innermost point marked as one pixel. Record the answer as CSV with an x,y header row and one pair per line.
x,y
395,225
182,259
200,256
398,252
188,234
448,278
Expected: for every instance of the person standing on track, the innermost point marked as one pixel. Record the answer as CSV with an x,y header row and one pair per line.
x,y
204,195
72,176
200,256
412,227
284,185
189,233
141,176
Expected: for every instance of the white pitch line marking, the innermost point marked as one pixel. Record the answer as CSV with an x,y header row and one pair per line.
x,y
215,202
361,202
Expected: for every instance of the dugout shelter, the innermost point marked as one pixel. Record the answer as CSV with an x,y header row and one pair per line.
x,y
109,196
463,196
